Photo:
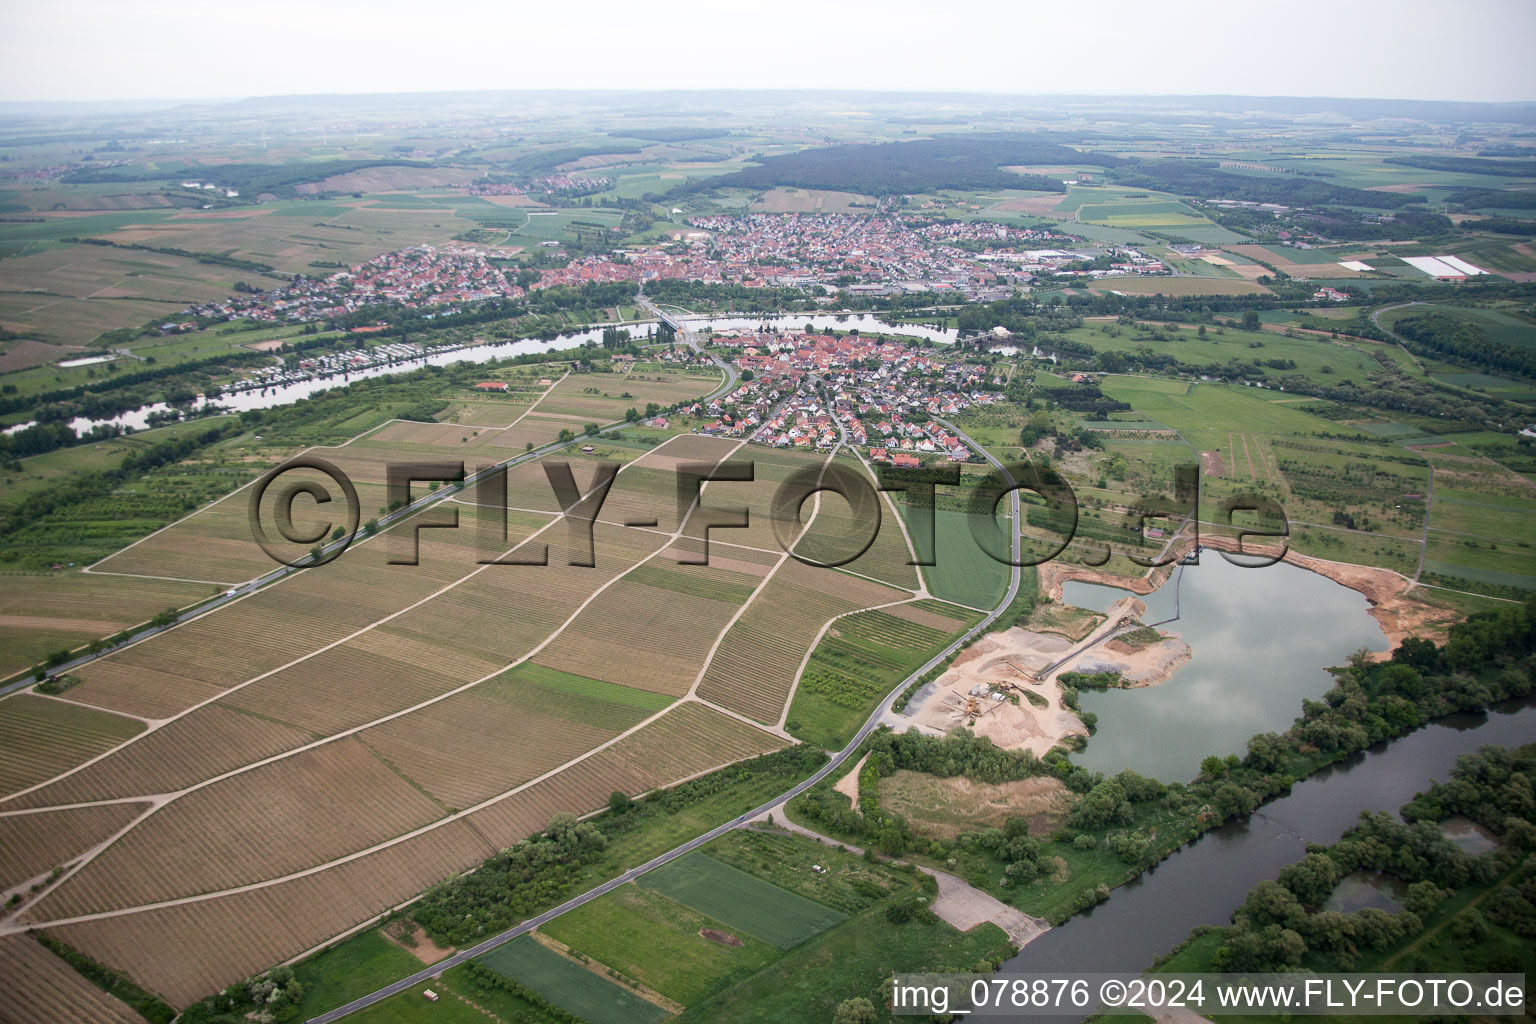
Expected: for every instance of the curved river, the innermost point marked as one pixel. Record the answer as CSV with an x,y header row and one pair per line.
x,y
1205,881
283,394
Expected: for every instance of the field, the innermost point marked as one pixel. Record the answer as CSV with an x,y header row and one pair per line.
x,y
83,286
43,614
570,985
50,989
859,660
35,844
945,807
1179,286
962,572
810,200
344,717
761,655
739,900
659,943
40,736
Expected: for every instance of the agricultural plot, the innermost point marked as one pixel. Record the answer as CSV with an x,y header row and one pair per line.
x,y
549,224
1307,263
660,943
374,674
534,430
759,659
43,614
187,950
739,900
487,413
770,469
839,529
216,544
35,844
505,611
688,740
962,572
40,737
653,629
604,397
50,989
282,817
1319,358
289,620
570,985
200,745
505,731
859,660
427,437
1179,286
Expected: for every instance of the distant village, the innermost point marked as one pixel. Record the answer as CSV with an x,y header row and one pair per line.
x,y
865,255
871,256
421,277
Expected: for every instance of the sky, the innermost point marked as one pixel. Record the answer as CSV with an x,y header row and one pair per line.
x,y
141,49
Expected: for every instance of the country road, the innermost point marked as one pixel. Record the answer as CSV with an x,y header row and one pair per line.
x,y
831,766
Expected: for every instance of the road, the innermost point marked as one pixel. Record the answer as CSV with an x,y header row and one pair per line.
x,y
424,502
679,323
837,760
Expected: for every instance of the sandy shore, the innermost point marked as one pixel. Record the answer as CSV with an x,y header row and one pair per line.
x,y
1019,662
1004,660
1146,665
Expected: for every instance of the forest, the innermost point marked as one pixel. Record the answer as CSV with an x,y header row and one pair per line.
x,y
1467,165
279,179
1446,336
926,165
1492,199
1204,179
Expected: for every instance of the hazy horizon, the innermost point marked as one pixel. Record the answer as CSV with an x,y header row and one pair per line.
x,y
95,51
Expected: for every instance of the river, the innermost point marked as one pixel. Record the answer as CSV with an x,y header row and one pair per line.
x,y
283,394
1261,639
1205,881
862,322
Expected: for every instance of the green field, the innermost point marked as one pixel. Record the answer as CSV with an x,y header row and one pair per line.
x,y
856,664
963,572
739,900
352,969
658,942
569,985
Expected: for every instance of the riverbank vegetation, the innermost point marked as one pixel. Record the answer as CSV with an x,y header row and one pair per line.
x,y
1463,906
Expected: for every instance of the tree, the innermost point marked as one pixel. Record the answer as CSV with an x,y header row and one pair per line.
x,y
591,429
1312,878
1251,320
854,1011
618,803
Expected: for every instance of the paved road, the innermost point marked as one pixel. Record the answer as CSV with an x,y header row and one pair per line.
x,y
831,766
425,501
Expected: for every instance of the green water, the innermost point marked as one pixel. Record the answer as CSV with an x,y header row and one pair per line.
x,y
1262,641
